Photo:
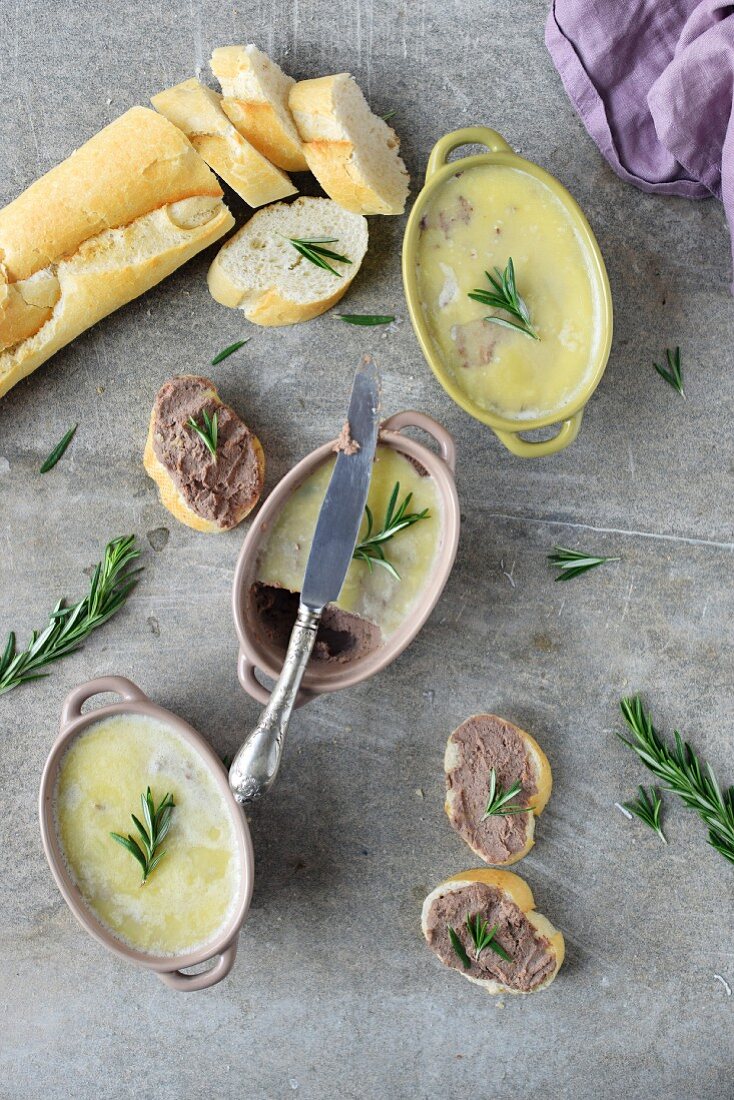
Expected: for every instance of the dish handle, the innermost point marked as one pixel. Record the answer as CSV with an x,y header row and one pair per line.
x,y
189,983
253,687
411,419
469,135
526,448
118,685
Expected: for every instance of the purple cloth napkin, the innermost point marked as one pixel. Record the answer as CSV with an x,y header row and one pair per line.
x,y
653,82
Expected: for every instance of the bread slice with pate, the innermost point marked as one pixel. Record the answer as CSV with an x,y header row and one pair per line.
x,y
209,492
255,100
352,152
260,271
484,924
197,111
482,745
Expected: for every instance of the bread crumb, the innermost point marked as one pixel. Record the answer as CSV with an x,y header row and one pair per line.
x,y
420,793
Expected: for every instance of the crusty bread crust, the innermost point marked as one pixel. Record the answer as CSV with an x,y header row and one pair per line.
x,y
518,891
120,214
171,498
265,122
331,153
197,111
536,803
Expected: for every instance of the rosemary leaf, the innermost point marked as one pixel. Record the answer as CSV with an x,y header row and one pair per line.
x,y
152,834
312,249
369,549
58,450
68,627
683,773
674,373
571,563
504,295
647,807
366,319
499,802
207,431
230,350
483,939
458,947
389,115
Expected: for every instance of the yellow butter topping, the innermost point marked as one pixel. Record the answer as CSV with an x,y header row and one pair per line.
x,y
476,221
190,895
374,595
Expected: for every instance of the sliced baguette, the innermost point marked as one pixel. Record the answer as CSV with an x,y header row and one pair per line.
x,y
259,271
190,469
352,152
465,804
122,212
256,101
516,891
197,111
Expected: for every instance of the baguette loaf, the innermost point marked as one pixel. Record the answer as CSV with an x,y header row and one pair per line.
x,y
197,111
505,902
256,101
259,271
206,493
122,212
352,153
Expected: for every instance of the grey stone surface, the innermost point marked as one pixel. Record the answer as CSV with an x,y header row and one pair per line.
x,y
334,994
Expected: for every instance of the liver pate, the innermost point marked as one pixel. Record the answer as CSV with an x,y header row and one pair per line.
x,y
342,636
221,490
533,958
482,743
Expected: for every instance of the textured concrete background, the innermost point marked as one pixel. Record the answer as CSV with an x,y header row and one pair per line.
x,y
334,994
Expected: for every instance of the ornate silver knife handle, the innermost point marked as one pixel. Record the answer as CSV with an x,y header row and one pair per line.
x,y
255,766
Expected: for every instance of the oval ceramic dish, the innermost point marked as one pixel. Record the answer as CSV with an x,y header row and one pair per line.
x,y
168,968
257,653
438,173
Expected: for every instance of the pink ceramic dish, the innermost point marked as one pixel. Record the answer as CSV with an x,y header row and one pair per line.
x,y
258,653
168,968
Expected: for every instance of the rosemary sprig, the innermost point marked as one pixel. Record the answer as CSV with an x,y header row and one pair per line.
x,y
207,431
483,939
312,249
647,807
58,450
683,773
229,350
366,319
370,548
458,947
499,802
389,115
674,373
111,583
571,563
152,833
504,296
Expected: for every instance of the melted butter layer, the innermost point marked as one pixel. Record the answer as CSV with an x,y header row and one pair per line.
x,y
191,894
478,220
374,595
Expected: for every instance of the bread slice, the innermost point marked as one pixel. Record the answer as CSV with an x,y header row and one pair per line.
x,y
256,102
511,891
352,153
478,745
126,209
197,111
259,271
206,494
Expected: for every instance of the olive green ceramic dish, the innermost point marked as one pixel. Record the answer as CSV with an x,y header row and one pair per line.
x,y
439,174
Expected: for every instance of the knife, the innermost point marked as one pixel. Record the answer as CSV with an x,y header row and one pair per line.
x,y
255,766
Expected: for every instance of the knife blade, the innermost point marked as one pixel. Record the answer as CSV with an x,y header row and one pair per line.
x,y
341,513
256,765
